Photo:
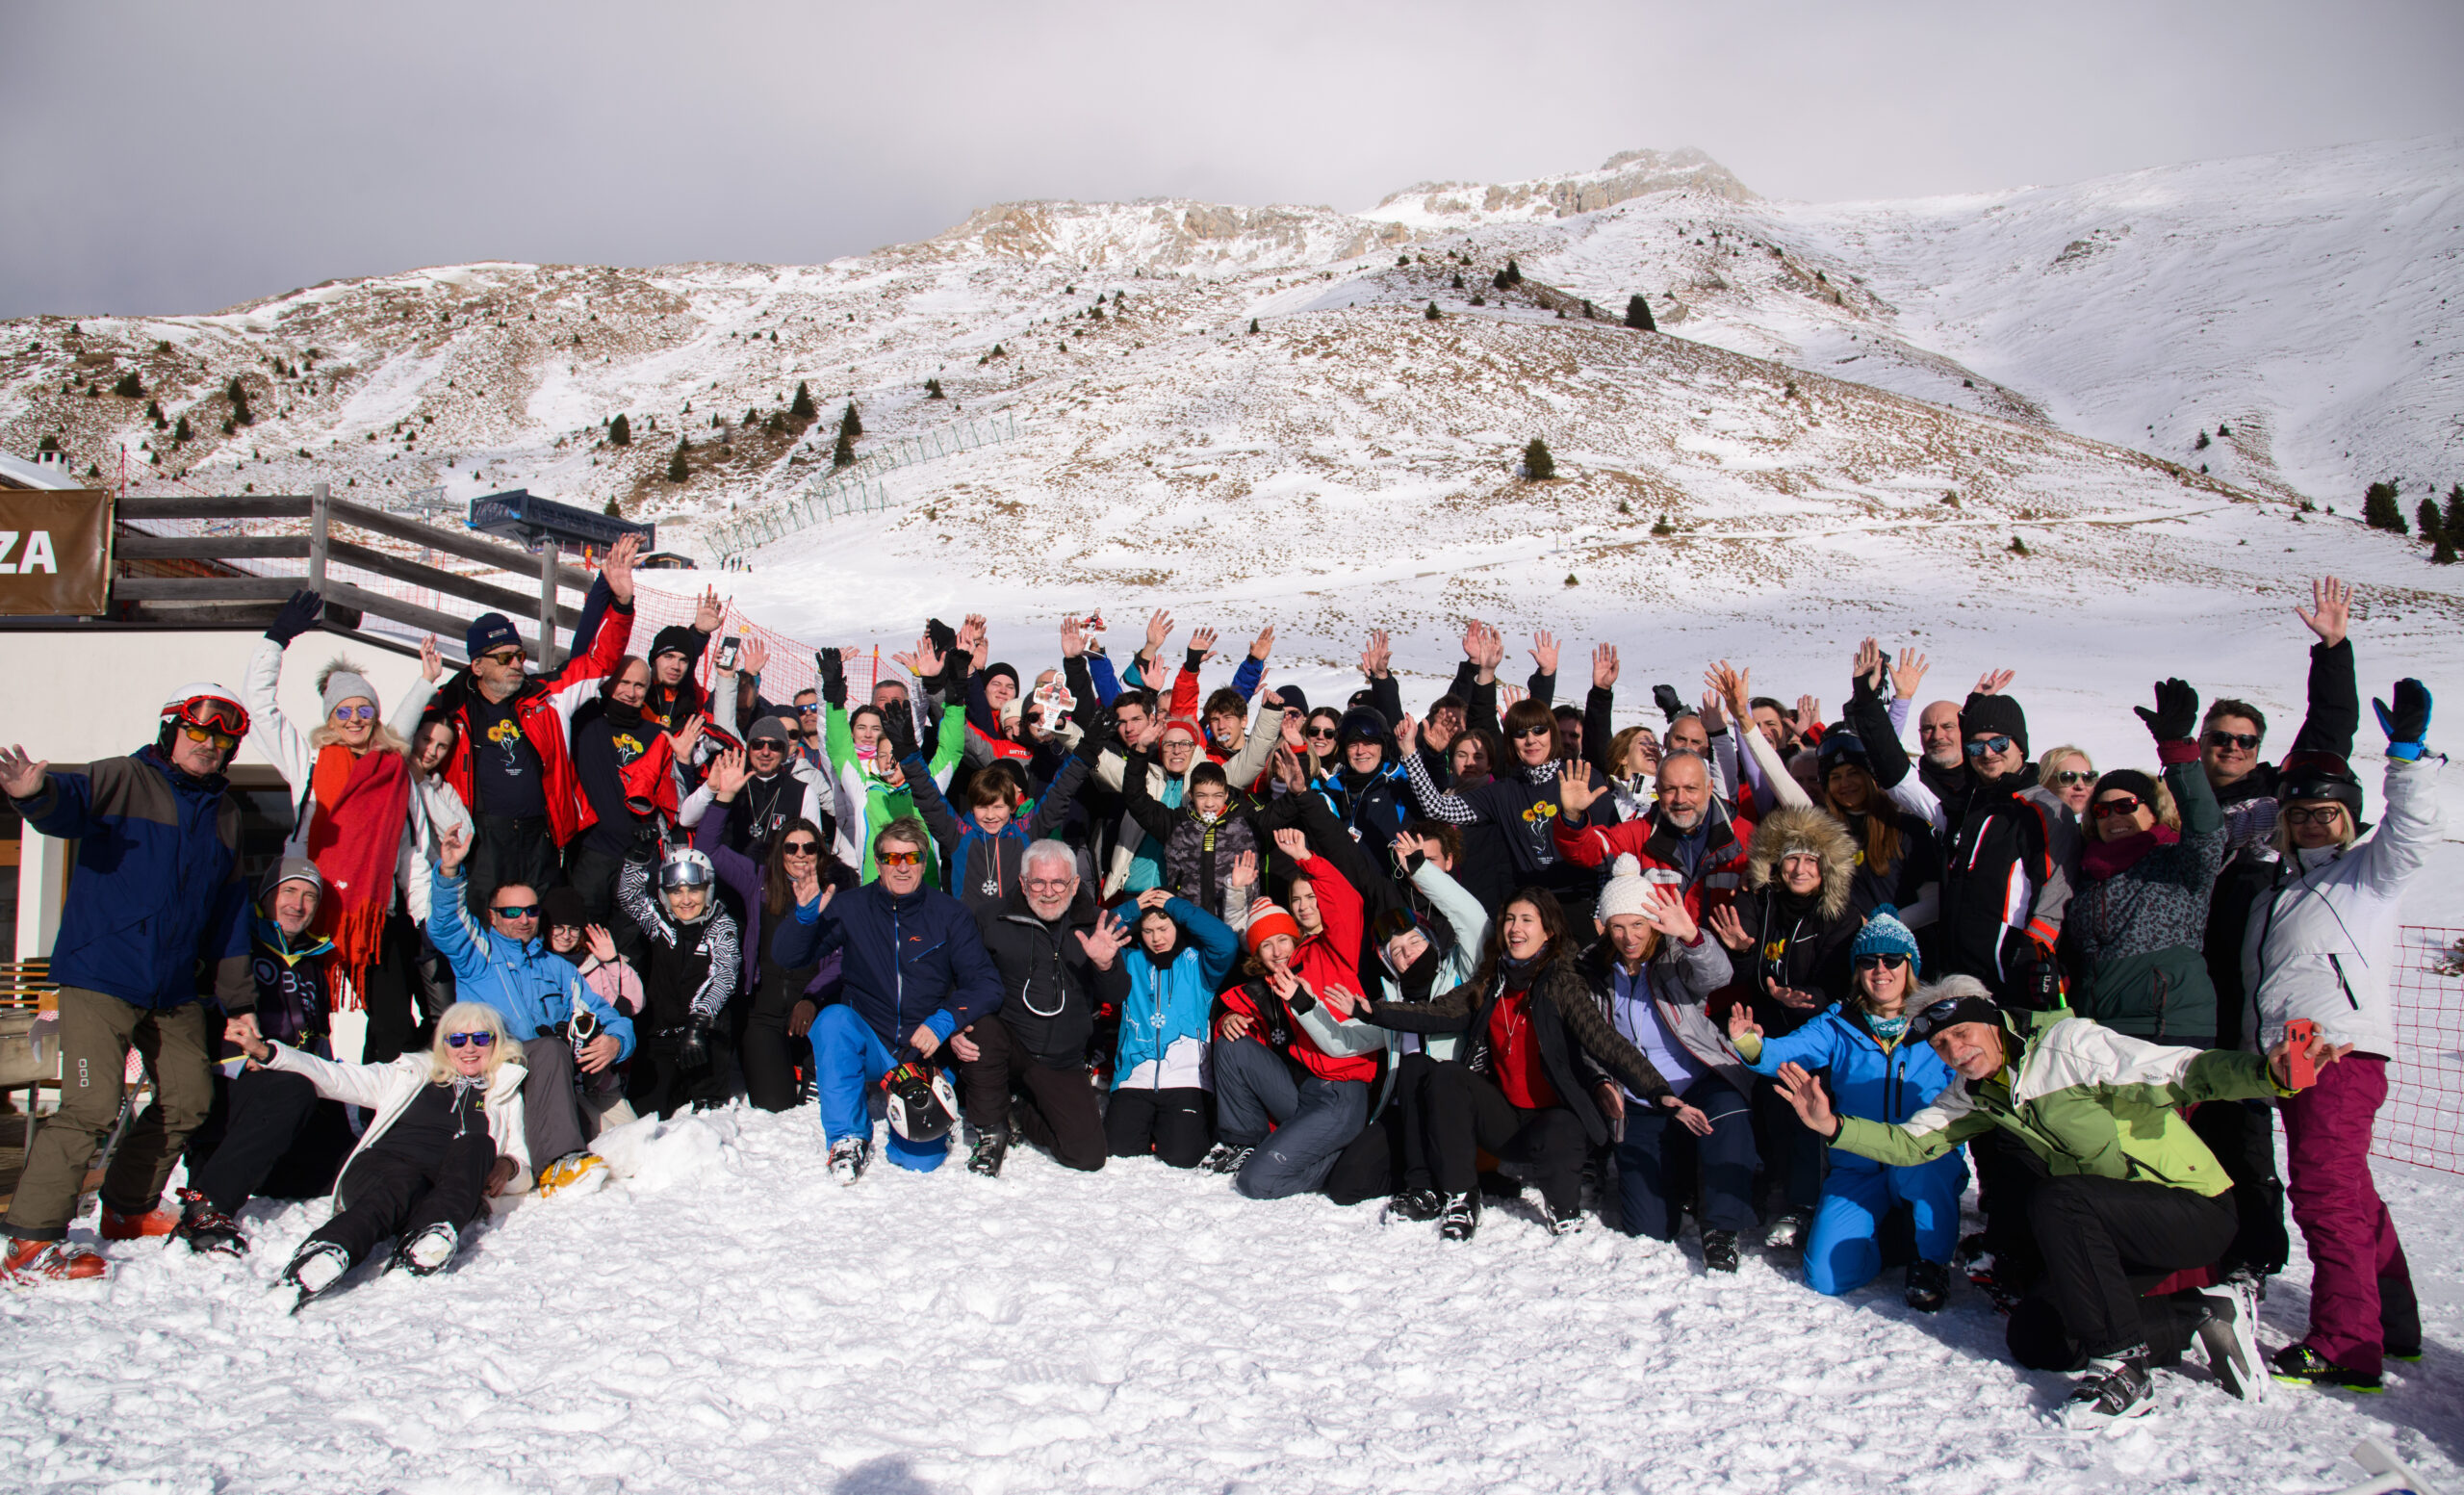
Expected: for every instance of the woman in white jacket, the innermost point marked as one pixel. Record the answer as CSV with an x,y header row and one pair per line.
x,y
443,1137
2322,946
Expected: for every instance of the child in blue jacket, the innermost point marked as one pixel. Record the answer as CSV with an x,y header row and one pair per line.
x,y
1160,1076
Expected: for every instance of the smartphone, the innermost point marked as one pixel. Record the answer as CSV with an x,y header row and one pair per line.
x,y
727,653
2299,1071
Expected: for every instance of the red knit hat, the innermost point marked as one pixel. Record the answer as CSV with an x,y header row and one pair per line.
x,y
1268,919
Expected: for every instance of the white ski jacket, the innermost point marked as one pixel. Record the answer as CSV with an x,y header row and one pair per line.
x,y
387,1090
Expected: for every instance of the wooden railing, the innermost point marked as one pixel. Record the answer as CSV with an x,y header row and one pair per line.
x,y
238,595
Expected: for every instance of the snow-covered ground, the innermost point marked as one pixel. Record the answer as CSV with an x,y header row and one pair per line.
x,y
730,1319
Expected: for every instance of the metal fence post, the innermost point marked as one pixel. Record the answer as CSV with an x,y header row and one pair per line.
x,y
319,521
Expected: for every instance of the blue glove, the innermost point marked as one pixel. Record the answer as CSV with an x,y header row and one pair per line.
x,y
2407,725
297,616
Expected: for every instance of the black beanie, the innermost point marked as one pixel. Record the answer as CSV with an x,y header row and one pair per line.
x,y
2132,780
561,906
1995,715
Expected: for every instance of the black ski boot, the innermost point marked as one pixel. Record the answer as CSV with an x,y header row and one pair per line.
x,y
1719,1251
1929,1284
990,1151
208,1230
314,1270
2114,1388
1418,1205
1459,1219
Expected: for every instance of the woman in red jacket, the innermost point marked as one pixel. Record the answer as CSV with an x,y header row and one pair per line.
x,y
1285,1056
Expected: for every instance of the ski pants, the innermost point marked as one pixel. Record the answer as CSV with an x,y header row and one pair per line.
x,y
848,1059
550,1108
2361,1291
1661,1163
280,1138
2241,1134
1312,1118
1843,1251
1058,1112
1465,1115
1169,1123
393,1195
97,1032
2107,1241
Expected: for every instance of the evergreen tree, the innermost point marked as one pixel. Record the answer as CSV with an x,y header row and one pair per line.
x,y
2378,507
2425,519
1513,274
844,454
2199,445
1537,463
239,396
2017,545
620,432
154,413
801,408
1253,324
180,430
677,471
613,511
2452,525
932,390
2445,552
128,385
1638,313
1458,281
49,442
849,423
1432,314
1499,282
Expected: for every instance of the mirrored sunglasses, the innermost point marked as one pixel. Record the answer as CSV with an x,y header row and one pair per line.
x,y
473,1039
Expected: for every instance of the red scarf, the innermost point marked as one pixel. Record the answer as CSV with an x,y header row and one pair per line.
x,y
363,801
2110,859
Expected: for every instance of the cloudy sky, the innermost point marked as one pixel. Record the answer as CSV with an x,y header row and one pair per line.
x,y
176,157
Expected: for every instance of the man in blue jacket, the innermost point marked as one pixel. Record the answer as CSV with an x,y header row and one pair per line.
x,y
915,972
158,897
561,1023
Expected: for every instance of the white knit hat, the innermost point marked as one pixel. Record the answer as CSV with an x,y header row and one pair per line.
x,y
341,682
1625,892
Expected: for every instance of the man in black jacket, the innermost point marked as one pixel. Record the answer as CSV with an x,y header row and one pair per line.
x,y
1058,959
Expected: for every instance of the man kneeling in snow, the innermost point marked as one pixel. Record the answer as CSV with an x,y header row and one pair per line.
x,y
2132,1194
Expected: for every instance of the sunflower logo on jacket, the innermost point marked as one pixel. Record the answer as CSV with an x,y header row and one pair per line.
x,y
627,747
503,732
1539,813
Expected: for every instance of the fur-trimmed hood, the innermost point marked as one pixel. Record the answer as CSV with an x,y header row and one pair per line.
x,y
1794,828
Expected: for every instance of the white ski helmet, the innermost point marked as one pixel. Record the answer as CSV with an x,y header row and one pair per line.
x,y
685,867
923,1104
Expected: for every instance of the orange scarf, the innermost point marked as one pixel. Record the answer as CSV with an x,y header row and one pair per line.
x,y
363,801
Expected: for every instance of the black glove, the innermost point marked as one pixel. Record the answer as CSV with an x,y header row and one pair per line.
x,y
693,1045
1672,705
2406,723
2176,715
297,616
900,733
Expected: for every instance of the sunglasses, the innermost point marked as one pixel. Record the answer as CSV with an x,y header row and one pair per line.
x,y
2322,815
2070,777
1327,733
221,739
1981,746
354,713
475,1039
515,911
2117,806
801,848
1891,962
898,858
508,656
2247,741
1526,734
768,745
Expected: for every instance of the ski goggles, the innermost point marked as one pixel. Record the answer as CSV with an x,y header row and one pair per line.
x,y
214,713
473,1039
684,874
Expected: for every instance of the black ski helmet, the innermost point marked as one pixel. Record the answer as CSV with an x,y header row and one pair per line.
x,y
923,1105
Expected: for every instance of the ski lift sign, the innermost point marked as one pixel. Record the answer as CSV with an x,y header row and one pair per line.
x,y
55,552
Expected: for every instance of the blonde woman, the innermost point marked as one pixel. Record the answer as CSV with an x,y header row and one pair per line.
x,y
443,1137
2071,775
354,781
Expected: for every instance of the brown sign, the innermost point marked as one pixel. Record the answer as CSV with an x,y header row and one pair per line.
x,y
55,551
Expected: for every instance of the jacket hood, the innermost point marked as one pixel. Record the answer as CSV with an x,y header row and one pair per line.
x,y
1795,828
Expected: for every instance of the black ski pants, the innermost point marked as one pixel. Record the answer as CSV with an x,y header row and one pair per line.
x,y
1466,1114
1057,1109
393,1196
279,1138
1168,1123
2105,1242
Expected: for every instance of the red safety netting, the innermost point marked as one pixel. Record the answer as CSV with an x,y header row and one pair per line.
x,y
790,666
2424,1119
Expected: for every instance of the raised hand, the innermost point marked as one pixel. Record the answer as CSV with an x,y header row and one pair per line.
x,y
618,567
20,774
1728,928
978,637
1790,997
1244,870
755,657
1603,666
1713,722
1742,1022
1908,674
1491,648
1575,791
1807,1099
431,661
298,614
1870,667
1993,683
1288,772
1203,641
806,886
1375,655
1672,705
1158,628
602,944
452,844
1543,652
686,737
1472,640
1508,695
2406,723
1264,644
1665,911
1808,717
1073,639
2330,611
709,612
1407,734
727,773
2176,715
1105,941
1407,846
1292,843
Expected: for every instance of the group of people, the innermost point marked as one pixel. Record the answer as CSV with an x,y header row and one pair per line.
x,y
1742,963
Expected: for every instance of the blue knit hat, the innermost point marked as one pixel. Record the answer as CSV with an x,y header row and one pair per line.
x,y
489,630
1885,935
